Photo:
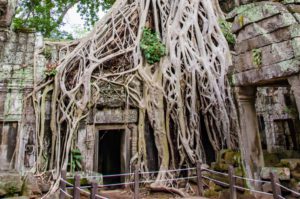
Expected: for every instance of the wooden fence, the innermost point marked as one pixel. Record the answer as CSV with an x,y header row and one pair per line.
x,y
94,188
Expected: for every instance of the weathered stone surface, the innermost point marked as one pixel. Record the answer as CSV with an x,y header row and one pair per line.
x,y
267,74
257,13
10,183
252,151
266,26
115,116
265,39
271,54
291,163
283,173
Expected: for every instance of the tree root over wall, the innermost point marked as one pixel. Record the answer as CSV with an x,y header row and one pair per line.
x,y
187,85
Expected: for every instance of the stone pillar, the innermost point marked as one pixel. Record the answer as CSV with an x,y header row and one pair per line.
x,y
250,143
294,81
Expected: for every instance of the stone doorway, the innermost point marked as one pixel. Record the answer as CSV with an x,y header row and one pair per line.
x,y
112,152
109,154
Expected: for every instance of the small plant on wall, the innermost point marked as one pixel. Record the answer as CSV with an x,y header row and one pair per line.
x,y
75,160
257,57
153,49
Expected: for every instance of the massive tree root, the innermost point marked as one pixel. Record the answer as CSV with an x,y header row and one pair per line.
x,y
188,85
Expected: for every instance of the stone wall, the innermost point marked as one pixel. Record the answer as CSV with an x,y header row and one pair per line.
x,y
278,119
267,47
266,59
17,76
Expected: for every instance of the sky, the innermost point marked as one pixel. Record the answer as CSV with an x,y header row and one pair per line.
x,y
74,24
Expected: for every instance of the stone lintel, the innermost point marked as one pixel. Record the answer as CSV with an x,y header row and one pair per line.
x,y
116,116
267,74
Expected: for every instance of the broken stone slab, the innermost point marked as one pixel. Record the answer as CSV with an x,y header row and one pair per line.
x,y
283,173
10,183
291,163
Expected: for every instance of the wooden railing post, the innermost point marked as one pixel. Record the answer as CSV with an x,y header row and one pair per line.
x,y
76,191
94,190
199,179
136,182
232,182
62,184
275,188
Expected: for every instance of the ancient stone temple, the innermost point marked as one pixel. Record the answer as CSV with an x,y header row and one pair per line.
x,y
264,78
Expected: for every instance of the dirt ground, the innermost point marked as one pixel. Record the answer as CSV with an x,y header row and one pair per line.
x,y
144,194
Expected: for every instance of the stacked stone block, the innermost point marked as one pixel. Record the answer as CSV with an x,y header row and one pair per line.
x,y
272,31
17,76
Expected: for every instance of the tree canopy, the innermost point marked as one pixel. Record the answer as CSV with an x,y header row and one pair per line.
x,y
46,16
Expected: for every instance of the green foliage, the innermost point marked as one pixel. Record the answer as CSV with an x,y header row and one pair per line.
x,y
47,16
230,79
257,57
153,49
226,29
47,52
75,160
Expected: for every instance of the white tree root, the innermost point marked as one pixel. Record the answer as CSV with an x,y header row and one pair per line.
x,y
186,86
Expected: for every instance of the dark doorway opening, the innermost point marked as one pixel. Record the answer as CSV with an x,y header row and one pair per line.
x,y
109,159
152,154
210,153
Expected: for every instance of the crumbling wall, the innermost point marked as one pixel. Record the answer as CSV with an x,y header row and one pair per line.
x,y
278,119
